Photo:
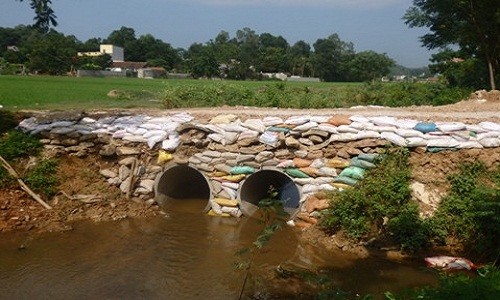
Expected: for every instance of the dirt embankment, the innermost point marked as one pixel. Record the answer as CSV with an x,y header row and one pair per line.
x,y
80,176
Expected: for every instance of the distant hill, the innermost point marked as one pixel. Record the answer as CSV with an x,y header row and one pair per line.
x,y
413,72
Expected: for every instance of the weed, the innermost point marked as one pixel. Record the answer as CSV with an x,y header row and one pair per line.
x,y
7,121
17,144
42,178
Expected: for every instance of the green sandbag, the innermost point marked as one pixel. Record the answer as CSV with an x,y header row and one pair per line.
x,y
296,173
278,129
353,172
345,180
237,170
356,162
368,156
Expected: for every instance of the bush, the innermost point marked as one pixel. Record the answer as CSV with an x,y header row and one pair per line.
x,y
42,179
383,194
17,144
470,213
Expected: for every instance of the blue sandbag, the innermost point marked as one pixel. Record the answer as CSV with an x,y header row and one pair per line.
x,y
425,127
368,156
353,172
237,170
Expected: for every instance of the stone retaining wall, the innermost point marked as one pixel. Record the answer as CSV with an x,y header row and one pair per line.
x,y
313,150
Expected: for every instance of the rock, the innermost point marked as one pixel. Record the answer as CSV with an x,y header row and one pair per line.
x,y
114,181
282,154
253,150
181,160
108,173
306,141
353,151
125,185
73,149
147,184
122,151
316,139
342,153
315,204
128,161
108,150
247,142
301,153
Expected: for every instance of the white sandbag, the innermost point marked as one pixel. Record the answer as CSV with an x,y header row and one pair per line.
x,y
310,188
171,143
216,207
344,137
255,125
327,171
327,128
326,187
469,145
269,138
170,127
151,133
214,128
490,142
216,137
304,181
87,120
61,124
136,131
443,143
233,194
323,180
272,121
486,135
230,138
367,134
297,120
119,134
231,185
450,126
346,129
475,128
360,125
490,126
317,163
286,164
233,127
233,211
153,140
159,120
360,119
134,138
461,136
319,119
62,130
151,126
406,133
383,121
394,138
248,134
305,126
182,117
413,142
379,128
406,123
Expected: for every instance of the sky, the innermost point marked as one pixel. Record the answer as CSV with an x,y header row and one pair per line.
x,y
369,24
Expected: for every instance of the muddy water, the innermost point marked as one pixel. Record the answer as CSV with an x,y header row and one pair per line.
x,y
184,255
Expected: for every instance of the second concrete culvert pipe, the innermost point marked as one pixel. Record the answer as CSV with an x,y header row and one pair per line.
x,y
257,185
179,182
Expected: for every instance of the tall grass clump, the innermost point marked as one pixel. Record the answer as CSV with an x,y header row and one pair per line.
x,y
379,206
16,144
7,121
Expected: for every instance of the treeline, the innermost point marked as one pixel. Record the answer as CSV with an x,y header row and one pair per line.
x,y
244,56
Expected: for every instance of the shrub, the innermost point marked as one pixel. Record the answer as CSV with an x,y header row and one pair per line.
x,y
383,194
17,144
471,211
42,179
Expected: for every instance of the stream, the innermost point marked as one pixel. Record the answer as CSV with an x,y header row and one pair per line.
x,y
184,255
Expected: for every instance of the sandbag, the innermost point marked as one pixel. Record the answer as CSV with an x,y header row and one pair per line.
x,y
326,171
309,171
301,162
296,173
297,120
255,125
242,170
353,172
269,138
450,126
226,202
338,120
394,138
272,121
171,144
356,162
286,164
371,157
490,142
413,142
337,163
425,127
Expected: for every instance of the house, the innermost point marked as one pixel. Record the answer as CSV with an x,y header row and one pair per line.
x,y
116,53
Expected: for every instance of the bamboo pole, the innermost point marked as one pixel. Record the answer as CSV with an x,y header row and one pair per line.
x,y
25,188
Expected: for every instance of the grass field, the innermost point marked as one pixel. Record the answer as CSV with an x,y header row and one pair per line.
x,y
57,92
50,92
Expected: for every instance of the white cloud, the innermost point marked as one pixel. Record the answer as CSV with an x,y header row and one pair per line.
x,y
358,4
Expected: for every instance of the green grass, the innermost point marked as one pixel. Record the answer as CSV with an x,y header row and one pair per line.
x,y
51,92
58,92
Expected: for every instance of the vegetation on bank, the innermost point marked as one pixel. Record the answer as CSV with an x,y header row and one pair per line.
x,y
44,92
41,176
379,208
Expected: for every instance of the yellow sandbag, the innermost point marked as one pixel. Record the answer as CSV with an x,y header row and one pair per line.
x,y
164,157
341,185
337,163
301,162
217,174
212,213
310,171
226,202
234,178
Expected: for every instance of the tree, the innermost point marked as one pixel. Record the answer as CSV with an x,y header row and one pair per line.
x,y
201,61
330,57
52,53
300,57
369,65
472,25
44,15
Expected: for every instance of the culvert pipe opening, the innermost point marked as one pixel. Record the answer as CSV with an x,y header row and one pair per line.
x,y
256,187
182,182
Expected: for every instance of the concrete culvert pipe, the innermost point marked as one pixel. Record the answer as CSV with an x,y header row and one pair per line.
x,y
180,182
256,187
